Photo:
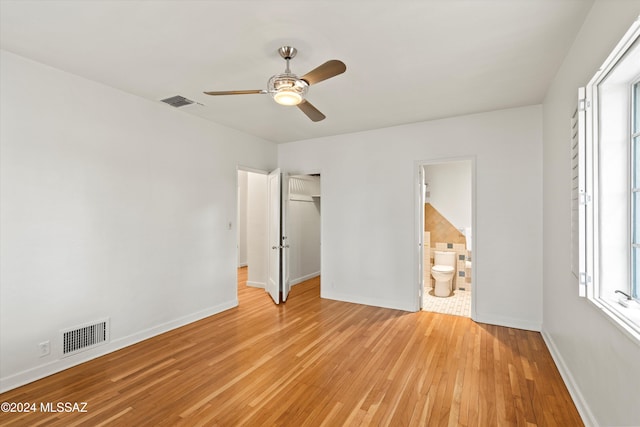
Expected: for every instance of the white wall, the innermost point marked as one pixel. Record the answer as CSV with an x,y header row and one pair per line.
x,y
303,231
450,188
598,361
111,206
242,217
369,205
257,230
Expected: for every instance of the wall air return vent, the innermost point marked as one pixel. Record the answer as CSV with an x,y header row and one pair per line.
x,y
178,101
84,337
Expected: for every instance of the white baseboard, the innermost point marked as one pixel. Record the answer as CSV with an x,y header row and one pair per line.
x,y
33,374
303,278
508,322
583,408
375,302
256,284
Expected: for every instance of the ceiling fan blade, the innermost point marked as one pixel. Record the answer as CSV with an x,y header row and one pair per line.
x,y
236,92
312,112
325,71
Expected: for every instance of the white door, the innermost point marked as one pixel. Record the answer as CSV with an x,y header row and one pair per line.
x,y
274,207
278,284
421,250
284,203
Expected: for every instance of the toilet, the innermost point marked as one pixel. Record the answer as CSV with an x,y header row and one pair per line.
x,y
443,270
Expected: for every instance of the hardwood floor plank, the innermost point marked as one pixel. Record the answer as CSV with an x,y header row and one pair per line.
x,y
313,362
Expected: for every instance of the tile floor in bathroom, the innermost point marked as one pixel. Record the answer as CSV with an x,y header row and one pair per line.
x,y
458,304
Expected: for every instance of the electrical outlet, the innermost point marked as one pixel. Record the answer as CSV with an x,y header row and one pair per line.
x,y
45,348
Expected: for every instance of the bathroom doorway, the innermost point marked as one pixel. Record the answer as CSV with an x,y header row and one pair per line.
x,y
447,225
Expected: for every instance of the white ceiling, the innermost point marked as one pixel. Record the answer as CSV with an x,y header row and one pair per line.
x,y
407,61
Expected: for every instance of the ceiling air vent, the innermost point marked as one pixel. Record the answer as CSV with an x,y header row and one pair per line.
x,y
178,101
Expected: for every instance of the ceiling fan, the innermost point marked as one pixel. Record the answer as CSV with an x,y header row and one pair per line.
x,y
289,89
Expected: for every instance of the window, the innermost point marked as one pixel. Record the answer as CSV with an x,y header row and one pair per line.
x,y
606,186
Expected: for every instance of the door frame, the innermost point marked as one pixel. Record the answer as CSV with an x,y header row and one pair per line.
x,y
275,245
297,172
259,172
419,226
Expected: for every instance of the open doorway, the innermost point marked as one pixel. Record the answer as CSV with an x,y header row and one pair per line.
x,y
447,224
300,227
252,227
303,227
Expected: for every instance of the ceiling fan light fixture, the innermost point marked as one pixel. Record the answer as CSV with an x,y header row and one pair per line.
x,y
287,97
287,89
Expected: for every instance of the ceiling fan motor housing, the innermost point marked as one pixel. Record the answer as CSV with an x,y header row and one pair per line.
x,y
287,88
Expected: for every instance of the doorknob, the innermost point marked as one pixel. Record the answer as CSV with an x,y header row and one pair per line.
x,y
274,247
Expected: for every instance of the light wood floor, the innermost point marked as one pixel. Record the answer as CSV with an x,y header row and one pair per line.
x,y
313,362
